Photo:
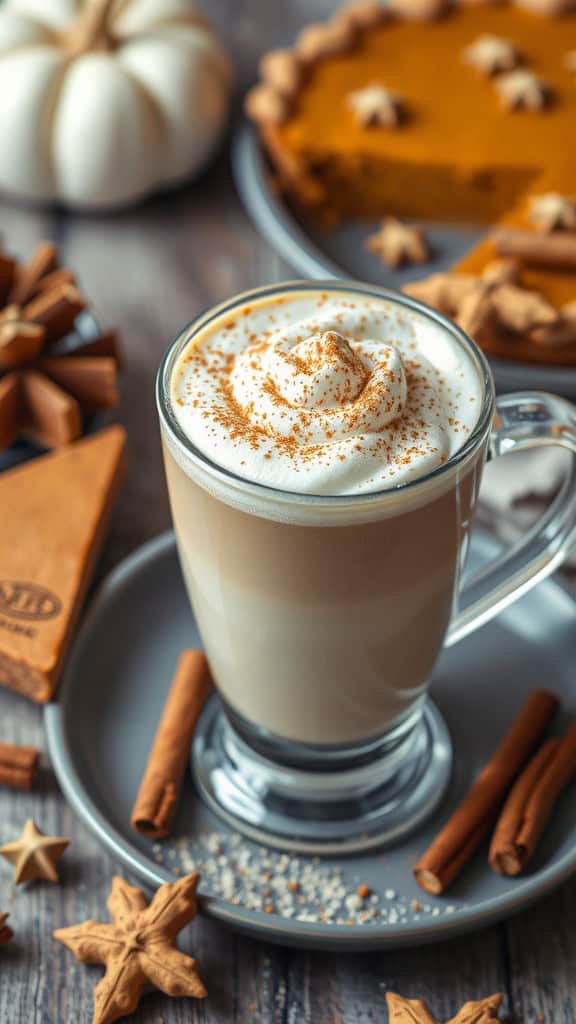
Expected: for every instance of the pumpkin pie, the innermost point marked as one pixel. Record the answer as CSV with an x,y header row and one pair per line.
x,y
460,113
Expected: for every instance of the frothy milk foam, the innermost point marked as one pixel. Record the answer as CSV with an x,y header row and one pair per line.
x,y
318,394
322,623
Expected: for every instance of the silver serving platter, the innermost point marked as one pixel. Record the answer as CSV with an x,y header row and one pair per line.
x,y
100,731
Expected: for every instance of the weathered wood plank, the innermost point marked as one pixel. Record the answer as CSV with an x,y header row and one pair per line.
x,y
543,957
149,271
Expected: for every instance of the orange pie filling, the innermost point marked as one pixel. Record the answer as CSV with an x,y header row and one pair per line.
x,y
458,154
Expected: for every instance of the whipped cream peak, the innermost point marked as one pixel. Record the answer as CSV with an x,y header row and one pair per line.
x,y
321,372
326,394
319,389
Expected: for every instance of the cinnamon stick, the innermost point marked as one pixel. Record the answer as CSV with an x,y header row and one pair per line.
x,y
106,344
28,277
90,379
54,417
556,250
6,932
18,766
20,342
55,279
157,797
530,804
7,272
465,829
56,310
10,422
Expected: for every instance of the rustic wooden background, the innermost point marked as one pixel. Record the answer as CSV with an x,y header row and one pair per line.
x,y
149,271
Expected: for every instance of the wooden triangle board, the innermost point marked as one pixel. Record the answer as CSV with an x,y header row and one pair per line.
x,y
53,516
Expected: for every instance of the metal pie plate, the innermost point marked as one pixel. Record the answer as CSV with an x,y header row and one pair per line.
x,y
340,253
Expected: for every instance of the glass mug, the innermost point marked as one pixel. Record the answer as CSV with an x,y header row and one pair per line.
x,y
323,616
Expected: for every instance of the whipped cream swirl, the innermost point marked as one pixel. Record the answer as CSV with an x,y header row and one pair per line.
x,y
321,389
326,398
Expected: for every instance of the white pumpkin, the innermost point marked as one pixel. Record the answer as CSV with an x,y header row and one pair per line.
x,y
103,101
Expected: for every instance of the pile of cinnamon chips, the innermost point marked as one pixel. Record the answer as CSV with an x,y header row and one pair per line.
x,y
46,385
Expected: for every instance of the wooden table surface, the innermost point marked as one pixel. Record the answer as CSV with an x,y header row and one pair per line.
x,y
149,271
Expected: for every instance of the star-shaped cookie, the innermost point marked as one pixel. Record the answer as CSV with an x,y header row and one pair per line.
x,y
559,333
414,1011
552,212
397,243
34,855
376,107
490,55
523,90
138,949
491,302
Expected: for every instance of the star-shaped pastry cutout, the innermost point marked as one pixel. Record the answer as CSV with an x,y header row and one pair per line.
x,y
491,55
376,107
486,304
560,333
552,212
414,1011
34,855
138,949
44,385
523,90
397,243
6,932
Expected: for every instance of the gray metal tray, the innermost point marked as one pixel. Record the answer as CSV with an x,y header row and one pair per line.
x,y
100,731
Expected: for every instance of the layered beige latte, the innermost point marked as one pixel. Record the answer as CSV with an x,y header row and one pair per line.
x,y
320,505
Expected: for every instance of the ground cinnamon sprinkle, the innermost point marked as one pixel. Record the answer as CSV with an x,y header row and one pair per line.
x,y
317,397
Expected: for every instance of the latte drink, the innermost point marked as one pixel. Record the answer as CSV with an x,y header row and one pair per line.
x,y
323,461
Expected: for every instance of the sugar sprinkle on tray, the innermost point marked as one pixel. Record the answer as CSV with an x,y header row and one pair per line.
x,y
292,887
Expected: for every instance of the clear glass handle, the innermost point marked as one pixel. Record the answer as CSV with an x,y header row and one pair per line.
x,y
527,419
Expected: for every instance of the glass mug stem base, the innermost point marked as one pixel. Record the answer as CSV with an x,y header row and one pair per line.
x,y
370,802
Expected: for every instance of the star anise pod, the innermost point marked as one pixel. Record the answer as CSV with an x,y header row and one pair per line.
x,y
139,948
414,1011
45,385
